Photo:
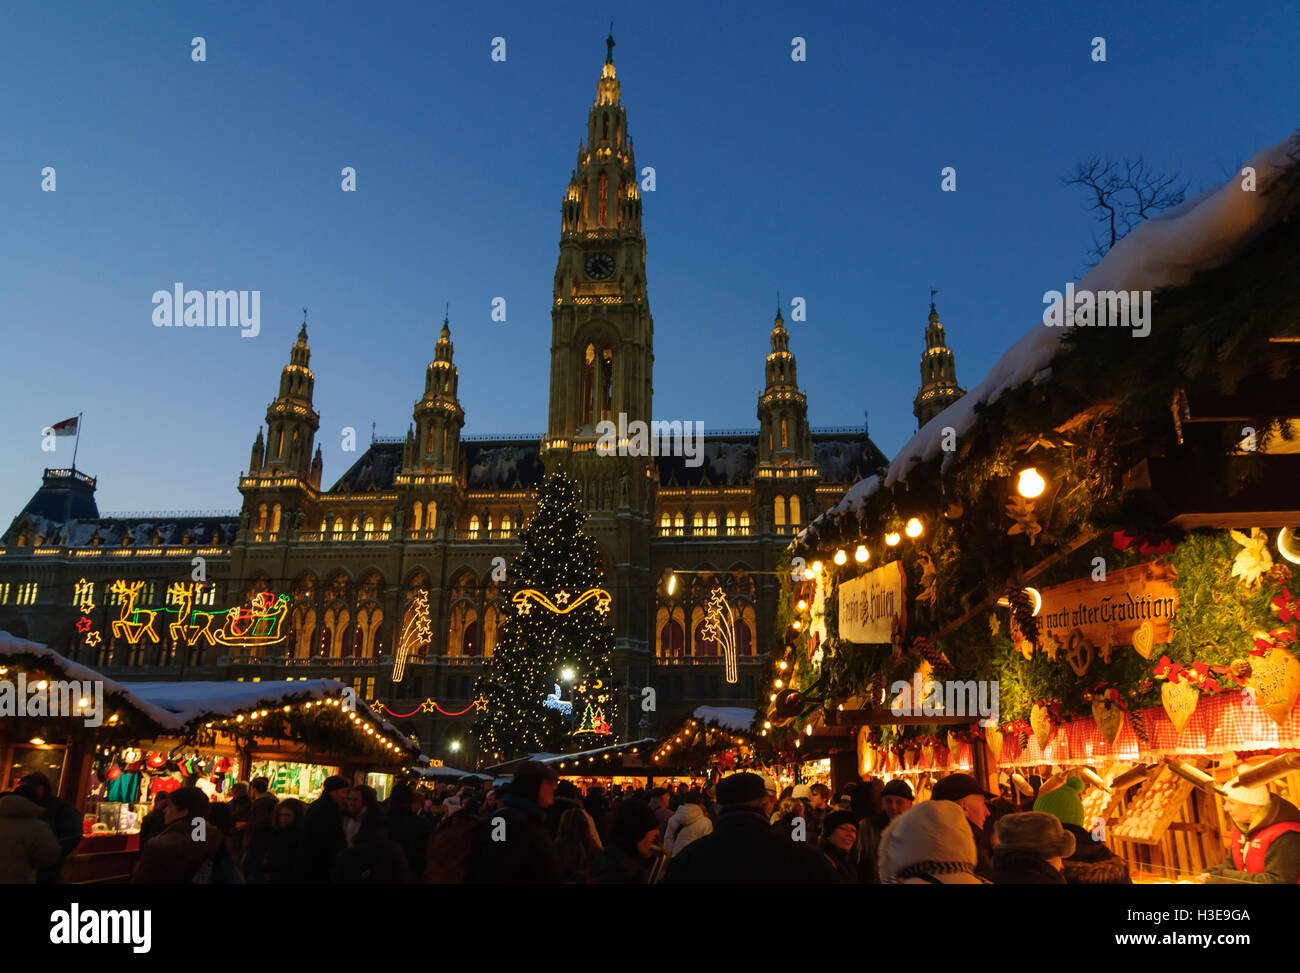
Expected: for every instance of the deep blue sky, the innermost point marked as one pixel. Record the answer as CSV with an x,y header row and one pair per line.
x,y
818,178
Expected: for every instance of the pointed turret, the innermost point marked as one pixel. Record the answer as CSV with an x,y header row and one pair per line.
x,y
291,422
783,438
939,388
259,449
434,443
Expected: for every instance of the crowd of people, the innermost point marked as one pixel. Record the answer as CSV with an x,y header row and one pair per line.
x,y
536,828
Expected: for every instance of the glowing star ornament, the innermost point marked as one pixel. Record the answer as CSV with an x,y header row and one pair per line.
x,y
720,627
523,599
92,639
83,624
415,634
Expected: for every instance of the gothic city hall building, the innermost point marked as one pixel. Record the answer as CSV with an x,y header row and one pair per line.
x,y
328,575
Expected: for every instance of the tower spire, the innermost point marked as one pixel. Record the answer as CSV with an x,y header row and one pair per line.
x,y
939,388
609,45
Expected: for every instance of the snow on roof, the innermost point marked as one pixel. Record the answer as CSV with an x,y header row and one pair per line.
x,y
1165,251
194,702
177,706
733,718
448,772
11,646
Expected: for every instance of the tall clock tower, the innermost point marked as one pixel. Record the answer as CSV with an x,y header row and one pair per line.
x,y
602,356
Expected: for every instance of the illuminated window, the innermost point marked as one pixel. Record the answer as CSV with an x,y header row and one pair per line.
x,y
338,527
603,190
731,523
505,525
261,518
744,521
432,521
779,512
415,516
784,438
697,523
275,519
473,527
713,522
4,593
665,523
388,524
679,524
794,511
370,527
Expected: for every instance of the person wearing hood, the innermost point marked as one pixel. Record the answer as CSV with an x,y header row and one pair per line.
x,y
514,844
1092,862
64,820
27,843
930,844
1030,850
687,823
1266,843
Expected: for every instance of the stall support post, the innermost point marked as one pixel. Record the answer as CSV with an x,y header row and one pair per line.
x,y
844,770
984,768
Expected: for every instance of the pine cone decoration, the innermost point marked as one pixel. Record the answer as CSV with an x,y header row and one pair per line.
x,y
1022,607
1279,573
1239,668
931,654
1139,727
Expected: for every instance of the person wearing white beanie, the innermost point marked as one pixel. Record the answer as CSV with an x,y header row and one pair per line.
x,y
929,844
1266,842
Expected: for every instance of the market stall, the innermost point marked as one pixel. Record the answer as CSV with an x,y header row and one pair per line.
x,y
1087,564
113,746
621,763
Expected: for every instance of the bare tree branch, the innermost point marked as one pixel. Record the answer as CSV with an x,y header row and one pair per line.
x,y
1122,194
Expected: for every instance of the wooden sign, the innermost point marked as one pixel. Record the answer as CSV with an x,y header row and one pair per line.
x,y
1133,606
870,604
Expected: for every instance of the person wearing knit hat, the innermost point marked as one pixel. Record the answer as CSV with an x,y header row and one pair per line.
x,y
1030,848
839,836
969,795
1092,862
930,844
1266,843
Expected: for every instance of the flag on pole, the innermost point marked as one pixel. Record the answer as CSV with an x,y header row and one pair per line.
x,y
68,427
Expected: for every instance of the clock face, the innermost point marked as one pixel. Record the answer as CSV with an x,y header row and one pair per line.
x,y
599,266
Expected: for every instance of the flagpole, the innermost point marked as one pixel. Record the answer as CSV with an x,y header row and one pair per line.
x,y
77,443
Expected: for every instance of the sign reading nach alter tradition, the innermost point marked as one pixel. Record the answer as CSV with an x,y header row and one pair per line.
x,y
871,606
1133,606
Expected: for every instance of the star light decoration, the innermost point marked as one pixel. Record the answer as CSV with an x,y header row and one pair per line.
x,y
92,639
415,634
720,626
83,624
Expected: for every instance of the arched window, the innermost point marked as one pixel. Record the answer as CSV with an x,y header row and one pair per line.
x,y
275,519
304,630
431,520
778,513
665,523
261,518
602,199
388,524
713,522
473,527
697,523
370,527
703,644
731,523
672,638
505,525
488,525
607,383
794,511
784,439
338,526
324,527
589,386
356,525
679,525
744,521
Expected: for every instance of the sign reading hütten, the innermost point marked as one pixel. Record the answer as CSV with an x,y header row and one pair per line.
x,y
869,605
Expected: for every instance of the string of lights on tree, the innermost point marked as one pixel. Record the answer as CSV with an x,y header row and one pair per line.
x,y
557,619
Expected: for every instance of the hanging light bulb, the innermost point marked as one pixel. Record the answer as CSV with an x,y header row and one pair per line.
x,y
861,554
1288,545
808,574
801,605
840,556
808,729
817,567
914,528
892,538
1030,484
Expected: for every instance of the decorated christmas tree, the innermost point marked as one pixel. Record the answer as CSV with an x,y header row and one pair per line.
x,y
558,621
